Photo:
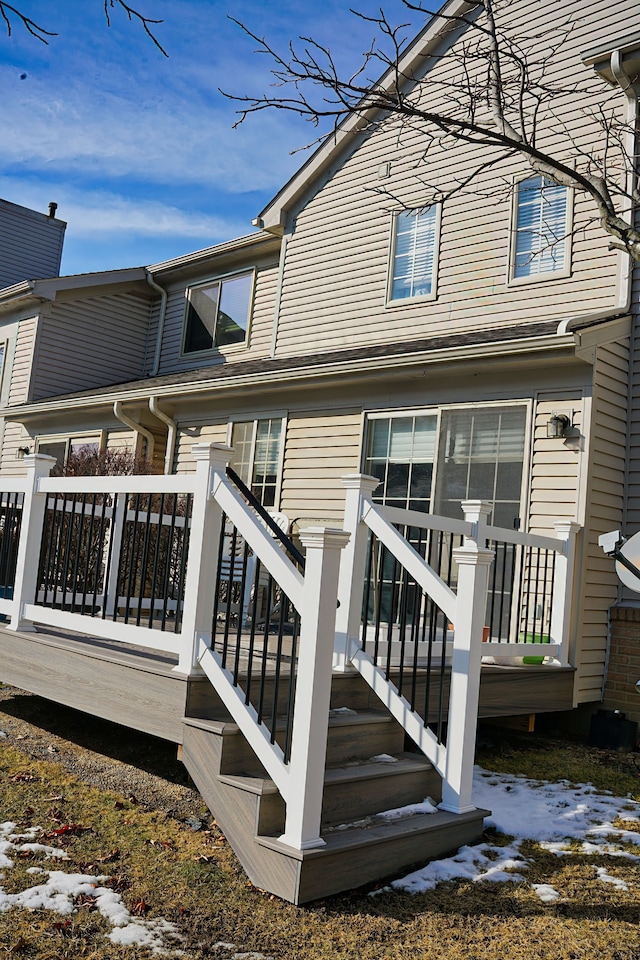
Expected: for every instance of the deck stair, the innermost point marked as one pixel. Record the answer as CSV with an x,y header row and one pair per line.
x,y
367,772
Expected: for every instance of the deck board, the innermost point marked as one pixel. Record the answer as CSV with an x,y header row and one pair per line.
x,y
138,687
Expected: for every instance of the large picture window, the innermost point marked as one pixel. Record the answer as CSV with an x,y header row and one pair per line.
x,y
433,461
257,455
541,231
217,314
413,263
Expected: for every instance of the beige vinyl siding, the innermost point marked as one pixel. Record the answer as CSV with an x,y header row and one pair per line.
x,y
119,440
188,434
335,284
13,437
555,464
605,500
260,329
22,361
320,448
89,343
30,244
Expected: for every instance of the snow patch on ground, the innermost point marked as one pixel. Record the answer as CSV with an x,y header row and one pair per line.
x,y
58,893
563,818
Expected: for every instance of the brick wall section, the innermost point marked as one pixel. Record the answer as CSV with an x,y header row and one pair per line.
x,y
624,662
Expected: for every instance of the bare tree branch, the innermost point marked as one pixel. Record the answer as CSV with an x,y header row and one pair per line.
x,y
504,101
11,14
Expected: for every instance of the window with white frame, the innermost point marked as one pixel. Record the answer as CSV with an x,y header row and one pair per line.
x,y
257,456
433,460
217,313
541,243
414,254
62,447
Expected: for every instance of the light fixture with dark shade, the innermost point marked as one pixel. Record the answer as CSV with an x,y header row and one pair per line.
x,y
558,426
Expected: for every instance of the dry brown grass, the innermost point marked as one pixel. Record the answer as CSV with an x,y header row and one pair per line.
x,y
193,879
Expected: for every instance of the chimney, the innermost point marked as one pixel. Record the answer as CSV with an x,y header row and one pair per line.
x,y
52,209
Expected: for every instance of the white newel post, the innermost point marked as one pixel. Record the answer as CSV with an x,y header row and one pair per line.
x,y
562,602
33,511
202,562
359,487
313,686
473,561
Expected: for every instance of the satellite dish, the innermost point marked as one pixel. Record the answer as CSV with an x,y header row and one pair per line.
x,y
631,550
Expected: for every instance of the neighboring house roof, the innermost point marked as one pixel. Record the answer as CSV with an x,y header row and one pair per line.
x,y
473,345
47,289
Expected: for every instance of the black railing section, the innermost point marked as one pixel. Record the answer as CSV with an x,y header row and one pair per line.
x,y
404,631
120,557
520,600
255,632
267,519
11,505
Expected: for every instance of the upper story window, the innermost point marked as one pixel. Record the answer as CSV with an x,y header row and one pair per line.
x,y
218,313
541,231
414,258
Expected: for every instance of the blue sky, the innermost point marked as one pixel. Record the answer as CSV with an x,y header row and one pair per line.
x,y
139,150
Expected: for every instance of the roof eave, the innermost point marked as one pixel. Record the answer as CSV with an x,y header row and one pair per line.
x,y
339,369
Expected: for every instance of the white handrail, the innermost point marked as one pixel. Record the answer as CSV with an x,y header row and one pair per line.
x,y
422,573
140,483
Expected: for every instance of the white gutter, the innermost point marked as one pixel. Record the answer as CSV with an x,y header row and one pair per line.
x,y
137,428
354,367
172,432
161,318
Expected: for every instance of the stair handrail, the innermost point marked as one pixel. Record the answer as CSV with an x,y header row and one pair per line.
x,y
266,517
301,779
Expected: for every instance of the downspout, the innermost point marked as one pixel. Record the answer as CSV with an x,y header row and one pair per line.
x,y
624,284
161,319
172,432
137,428
629,144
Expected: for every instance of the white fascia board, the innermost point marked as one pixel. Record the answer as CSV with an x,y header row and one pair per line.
x,y
274,215
47,289
345,368
220,249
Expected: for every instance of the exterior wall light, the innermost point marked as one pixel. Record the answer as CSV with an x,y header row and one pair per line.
x,y
558,426
22,452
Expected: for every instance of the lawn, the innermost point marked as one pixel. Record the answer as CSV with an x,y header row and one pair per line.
x,y
109,871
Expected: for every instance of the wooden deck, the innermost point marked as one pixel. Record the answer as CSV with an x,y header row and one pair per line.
x,y
140,689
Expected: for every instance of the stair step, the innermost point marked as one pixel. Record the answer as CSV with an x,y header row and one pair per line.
x,y
355,791
361,734
351,858
351,736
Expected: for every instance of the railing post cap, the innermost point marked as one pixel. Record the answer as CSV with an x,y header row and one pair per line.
x,y
217,454
564,528
324,537
475,509
42,463
360,481
472,556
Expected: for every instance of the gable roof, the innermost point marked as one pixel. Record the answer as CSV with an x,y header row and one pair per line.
x,y
435,37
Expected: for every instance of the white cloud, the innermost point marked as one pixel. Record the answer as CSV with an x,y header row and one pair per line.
x,y
91,214
86,130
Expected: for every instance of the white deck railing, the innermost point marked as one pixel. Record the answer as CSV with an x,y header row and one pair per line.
x,y
136,560
399,614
